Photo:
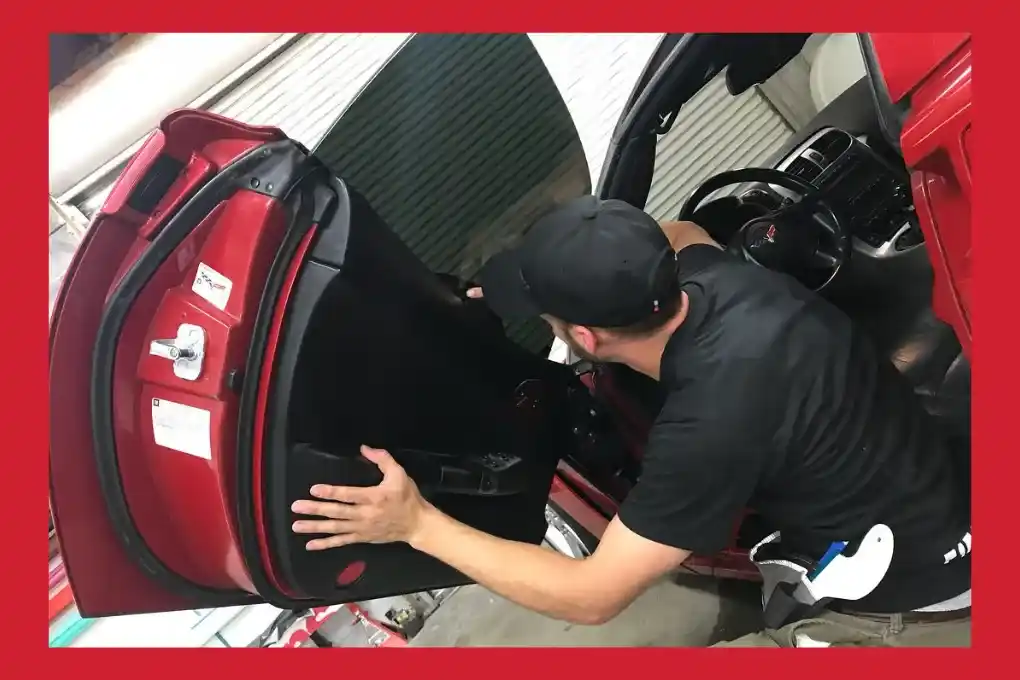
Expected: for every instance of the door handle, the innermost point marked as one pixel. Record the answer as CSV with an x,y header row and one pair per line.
x,y
490,474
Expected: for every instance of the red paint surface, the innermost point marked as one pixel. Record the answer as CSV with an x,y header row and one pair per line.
x,y
60,600
105,579
183,504
907,59
351,573
578,508
935,142
599,500
57,574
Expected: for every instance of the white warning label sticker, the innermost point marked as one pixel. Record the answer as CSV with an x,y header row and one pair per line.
x,y
212,286
182,428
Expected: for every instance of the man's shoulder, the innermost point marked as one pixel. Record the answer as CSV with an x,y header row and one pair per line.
x,y
683,234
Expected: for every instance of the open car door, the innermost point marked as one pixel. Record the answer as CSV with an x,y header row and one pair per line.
x,y
243,314
922,88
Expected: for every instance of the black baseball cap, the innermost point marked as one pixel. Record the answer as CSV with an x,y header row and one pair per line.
x,y
588,262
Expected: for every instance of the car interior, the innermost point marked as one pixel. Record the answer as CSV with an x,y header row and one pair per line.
x,y
862,247
836,192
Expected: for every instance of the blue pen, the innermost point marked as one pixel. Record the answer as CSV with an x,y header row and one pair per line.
x,y
835,548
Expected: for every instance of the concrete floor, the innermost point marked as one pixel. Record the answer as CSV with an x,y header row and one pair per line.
x,y
689,611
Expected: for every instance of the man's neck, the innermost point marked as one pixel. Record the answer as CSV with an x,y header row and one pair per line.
x,y
645,355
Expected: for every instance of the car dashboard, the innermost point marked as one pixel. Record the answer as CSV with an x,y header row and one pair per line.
x,y
867,190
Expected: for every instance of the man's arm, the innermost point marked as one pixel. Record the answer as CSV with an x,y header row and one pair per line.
x,y
590,591
683,234
587,591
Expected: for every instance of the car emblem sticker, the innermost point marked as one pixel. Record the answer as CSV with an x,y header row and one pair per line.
x,y
212,286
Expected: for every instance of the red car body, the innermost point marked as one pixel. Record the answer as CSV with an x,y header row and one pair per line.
x,y
172,492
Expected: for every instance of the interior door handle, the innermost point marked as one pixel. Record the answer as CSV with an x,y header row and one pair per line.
x,y
491,474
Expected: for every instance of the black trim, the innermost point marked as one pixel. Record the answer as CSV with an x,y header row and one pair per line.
x,y
219,188
309,289
890,115
662,52
278,178
643,97
247,531
154,184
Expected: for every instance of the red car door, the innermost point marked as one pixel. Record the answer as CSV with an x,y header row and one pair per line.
x,y
242,314
923,91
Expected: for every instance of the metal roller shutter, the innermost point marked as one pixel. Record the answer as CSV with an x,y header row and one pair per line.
x,y
305,87
301,91
714,131
595,73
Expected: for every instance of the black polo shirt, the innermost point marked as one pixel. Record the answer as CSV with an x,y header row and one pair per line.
x,y
777,402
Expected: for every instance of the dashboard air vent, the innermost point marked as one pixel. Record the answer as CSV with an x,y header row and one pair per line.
x,y
805,169
831,146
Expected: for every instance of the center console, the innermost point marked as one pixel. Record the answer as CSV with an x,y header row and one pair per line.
x,y
871,194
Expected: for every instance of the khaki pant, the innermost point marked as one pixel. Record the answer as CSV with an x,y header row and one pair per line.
x,y
831,629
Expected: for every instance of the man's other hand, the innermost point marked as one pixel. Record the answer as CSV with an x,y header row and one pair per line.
x,y
475,293
388,513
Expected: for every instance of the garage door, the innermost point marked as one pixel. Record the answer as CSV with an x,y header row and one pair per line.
x,y
301,91
715,131
305,87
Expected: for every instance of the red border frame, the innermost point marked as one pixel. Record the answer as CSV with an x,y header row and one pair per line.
x,y
24,421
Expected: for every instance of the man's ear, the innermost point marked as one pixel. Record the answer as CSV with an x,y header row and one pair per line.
x,y
585,338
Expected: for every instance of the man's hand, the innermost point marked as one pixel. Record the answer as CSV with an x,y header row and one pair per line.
x,y
589,591
475,293
387,513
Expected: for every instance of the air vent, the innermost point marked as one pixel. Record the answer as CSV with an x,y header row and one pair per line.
x,y
831,146
805,169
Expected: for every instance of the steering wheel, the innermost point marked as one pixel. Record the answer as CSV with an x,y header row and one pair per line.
x,y
804,239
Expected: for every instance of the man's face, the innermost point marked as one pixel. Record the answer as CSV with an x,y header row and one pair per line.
x,y
575,337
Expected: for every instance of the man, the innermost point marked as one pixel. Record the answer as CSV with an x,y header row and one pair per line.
x,y
775,401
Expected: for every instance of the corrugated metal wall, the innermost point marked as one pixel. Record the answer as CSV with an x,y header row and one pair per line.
x,y
301,91
304,88
715,131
